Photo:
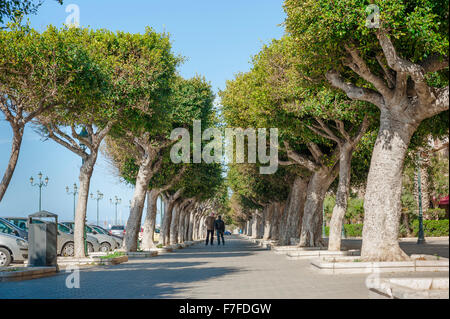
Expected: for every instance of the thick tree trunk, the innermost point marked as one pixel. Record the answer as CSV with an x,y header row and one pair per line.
x,y
255,221
382,203
80,211
311,227
293,211
130,240
339,210
173,237
277,214
13,158
191,226
165,228
268,213
150,220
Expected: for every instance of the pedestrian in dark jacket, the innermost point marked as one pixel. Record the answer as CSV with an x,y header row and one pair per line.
x,y
210,222
219,225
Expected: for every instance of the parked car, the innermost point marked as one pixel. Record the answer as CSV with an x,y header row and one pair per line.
x,y
12,249
13,229
103,231
66,246
117,230
65,240
107,242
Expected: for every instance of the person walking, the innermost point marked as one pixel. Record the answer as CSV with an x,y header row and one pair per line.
x,y
210,222
219,225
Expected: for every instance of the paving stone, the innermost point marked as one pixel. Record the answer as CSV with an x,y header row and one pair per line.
x,y
239,269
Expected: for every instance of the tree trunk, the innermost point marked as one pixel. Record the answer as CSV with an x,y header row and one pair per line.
x,y
276,216
382,203
190,233
339,210
145,173
80,211
294,210
150,220
311,227
268,221
165,228
13,158
255,224
173,237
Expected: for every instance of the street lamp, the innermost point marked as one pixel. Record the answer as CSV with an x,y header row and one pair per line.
x,y
97,198
115,202
421,236
40,184
74,193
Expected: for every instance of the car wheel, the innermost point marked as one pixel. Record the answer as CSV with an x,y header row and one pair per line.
x,y
105,247
5,257
90,248
68,250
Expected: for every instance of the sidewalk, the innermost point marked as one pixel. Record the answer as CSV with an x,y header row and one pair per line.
x,y
237,270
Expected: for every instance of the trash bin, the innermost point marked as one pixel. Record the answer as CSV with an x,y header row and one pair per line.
x,y
42,239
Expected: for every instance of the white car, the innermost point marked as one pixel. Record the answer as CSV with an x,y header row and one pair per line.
x,y
12,249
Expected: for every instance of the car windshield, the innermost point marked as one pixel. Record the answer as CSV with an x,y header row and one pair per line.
x,y
64,228
21,223
99,230
5,228
89,229
117,228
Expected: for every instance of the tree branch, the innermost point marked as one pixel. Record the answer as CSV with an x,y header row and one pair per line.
x,y
354,92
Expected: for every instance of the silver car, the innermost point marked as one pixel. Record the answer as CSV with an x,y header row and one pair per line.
x,y
65,240
66,246
12,249
103,231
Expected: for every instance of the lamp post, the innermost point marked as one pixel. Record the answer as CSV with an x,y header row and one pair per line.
x,y
74,193
115,202
421,237
40,184
98,197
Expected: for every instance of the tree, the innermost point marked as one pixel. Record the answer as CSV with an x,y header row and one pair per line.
x,y
322,125
39,72
401,67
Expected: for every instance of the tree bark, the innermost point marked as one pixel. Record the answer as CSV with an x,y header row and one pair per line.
x,y
268,220
173,237
339,210
145,173
382,203
150,220
13,158
293,211
311,227
80,211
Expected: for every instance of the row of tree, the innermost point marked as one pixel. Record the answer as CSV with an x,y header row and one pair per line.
x,y
348,99
81,87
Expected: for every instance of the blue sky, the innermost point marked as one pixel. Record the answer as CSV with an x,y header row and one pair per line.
x,y
218,39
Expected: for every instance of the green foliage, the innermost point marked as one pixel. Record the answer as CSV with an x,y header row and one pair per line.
x,y
355,209
432,228
351,230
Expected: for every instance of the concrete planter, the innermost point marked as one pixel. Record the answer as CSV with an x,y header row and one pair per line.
x,y
306,254
409,288
26,273
351,265
142,254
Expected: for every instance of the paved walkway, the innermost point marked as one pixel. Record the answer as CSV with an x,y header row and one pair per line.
x,y
237,270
